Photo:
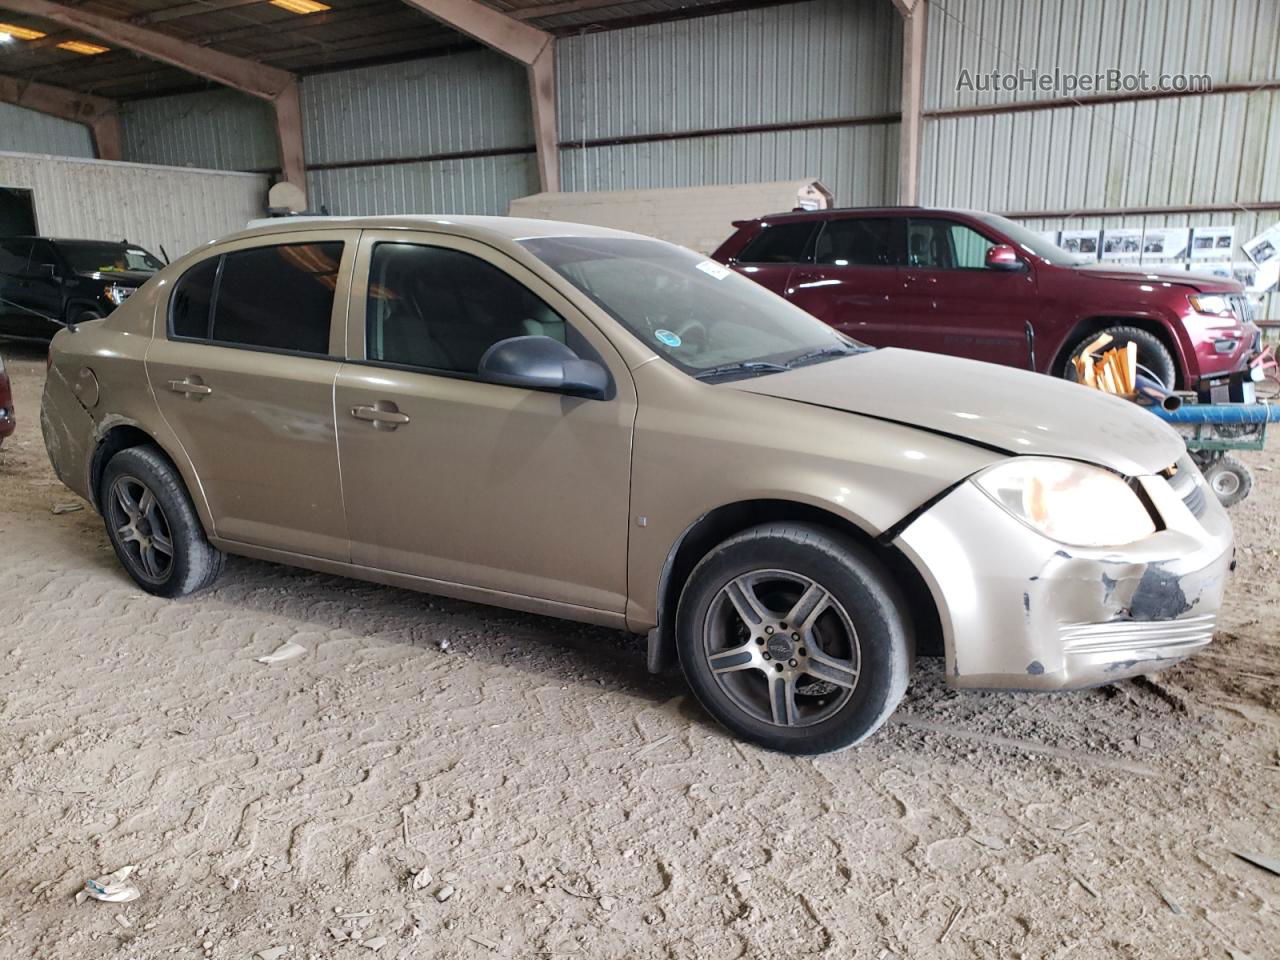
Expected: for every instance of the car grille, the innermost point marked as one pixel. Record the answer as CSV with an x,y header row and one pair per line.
x,y
1124,636
1242,307
1182,478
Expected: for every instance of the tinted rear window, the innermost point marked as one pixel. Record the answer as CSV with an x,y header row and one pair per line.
x,y
858,242
780,243
273,298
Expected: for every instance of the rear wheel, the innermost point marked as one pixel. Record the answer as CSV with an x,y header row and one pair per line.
x,y
794,638
1154,359
154,527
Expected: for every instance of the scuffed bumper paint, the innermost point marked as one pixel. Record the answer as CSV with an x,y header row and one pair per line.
x,y
1021,611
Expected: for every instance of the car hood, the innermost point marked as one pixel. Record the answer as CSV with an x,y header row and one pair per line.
x,y
126,278
1196,281
1002,408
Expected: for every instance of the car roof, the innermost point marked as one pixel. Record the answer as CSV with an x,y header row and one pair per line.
x,y
510,228
837,211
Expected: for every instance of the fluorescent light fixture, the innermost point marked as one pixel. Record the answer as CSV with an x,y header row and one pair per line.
x,y
79,46
302,7
22,33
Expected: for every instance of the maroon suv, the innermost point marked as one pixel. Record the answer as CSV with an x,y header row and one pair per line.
x,y
977,285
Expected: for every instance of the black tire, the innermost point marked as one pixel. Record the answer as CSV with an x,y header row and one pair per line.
x,y
139,534
1229,479
820,715
1153,355
85,315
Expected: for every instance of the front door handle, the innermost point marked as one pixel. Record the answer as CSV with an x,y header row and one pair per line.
x,y
190,387
383,415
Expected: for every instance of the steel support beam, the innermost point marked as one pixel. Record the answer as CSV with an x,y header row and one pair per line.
x,y
914,14
99,114
525,44
277,86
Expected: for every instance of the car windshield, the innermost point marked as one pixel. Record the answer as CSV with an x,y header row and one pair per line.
x,y
90,256
693,312
1033,242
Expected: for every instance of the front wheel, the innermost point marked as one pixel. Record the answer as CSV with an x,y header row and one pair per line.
x,y
794,638
1229,479
1154,359
153,526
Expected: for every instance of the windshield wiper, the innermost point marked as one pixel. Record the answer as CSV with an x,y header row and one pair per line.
x,y
837,351
743,366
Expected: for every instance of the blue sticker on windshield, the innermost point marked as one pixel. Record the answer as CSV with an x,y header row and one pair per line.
x,y
667,337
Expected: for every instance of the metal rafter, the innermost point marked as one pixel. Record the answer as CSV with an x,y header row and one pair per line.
x,y
100,115
914,14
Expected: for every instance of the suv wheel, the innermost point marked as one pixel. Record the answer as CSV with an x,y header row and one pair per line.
x,y
153,526
794,638
1154,359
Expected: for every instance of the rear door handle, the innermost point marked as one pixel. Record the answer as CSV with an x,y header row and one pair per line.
x,y
383,414
190,388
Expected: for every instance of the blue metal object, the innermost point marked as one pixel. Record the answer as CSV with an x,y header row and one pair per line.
x,y
1220,413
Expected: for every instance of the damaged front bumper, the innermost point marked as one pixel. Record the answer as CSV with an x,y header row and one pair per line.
x,y
1021,611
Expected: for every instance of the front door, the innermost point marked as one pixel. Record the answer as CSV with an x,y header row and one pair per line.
x,y
772,254
244,376
967,309
854,283
454,479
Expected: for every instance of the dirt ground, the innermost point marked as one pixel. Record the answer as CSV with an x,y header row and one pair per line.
x,y
577,806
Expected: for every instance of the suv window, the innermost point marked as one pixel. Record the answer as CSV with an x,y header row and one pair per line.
x,y
441,309
14,255
858,242
273,298
781,243
946,245
44,260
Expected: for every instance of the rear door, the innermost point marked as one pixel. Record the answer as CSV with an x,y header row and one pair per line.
x,y
959,305
15,253
855,283
243,371
772,254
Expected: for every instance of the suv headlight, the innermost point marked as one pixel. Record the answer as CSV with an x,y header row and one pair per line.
x,y
1211,304
1070,502
117,294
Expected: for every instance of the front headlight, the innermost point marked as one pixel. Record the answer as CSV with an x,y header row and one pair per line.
x,y
1066,501
1211,305
117,294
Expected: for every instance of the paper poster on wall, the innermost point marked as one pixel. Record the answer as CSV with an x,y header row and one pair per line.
x,y
1258,279
1123,243
1165,243
1265,246
1211,268
1050,235
1212,243
1080,241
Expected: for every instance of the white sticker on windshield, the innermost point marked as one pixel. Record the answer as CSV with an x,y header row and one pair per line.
x,y
711,268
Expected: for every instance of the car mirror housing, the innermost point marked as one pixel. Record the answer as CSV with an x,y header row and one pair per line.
x,y
543,363
1002,256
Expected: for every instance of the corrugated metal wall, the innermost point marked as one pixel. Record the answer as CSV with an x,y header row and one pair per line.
x,y
805,63
1114,159
22,129
150,205
462,103
217,130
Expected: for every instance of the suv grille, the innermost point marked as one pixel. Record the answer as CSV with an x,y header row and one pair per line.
x,y
1242,307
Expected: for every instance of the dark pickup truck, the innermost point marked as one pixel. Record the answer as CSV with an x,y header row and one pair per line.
x,y
46,284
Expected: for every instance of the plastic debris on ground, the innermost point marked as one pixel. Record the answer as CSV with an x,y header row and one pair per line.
x,y
286,651
111,888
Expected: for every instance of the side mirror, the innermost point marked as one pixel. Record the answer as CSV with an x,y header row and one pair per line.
x,y
1003,257
48,271
542,363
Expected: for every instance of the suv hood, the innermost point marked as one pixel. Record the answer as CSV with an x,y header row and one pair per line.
x,y
1205,283
1002,408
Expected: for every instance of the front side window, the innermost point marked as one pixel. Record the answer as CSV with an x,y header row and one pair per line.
x,y
946,245
695,313
780,243
14,255
858,242
271,298
44,262
441,309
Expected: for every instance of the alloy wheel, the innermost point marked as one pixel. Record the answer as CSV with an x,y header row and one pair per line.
x,y
141,528
781,647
